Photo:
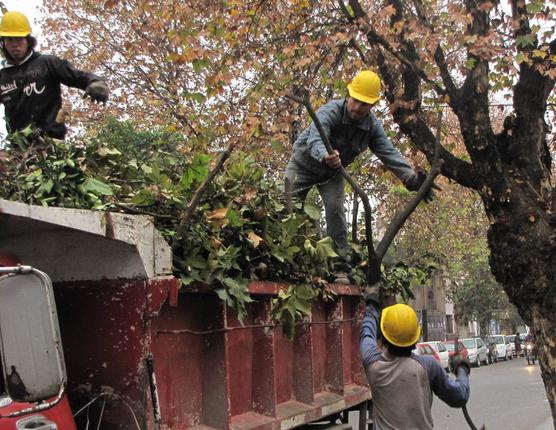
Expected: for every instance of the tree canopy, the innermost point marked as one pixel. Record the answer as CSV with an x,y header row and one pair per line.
x,y
218,71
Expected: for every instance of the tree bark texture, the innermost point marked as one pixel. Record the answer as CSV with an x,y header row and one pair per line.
x,y
511,170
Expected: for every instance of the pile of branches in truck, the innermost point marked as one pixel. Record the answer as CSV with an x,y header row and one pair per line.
x,y
239,230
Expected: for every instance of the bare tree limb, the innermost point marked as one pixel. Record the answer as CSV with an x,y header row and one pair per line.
x,y
186,216
400,217
354,217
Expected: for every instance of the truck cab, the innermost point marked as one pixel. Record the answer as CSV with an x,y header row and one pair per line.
x,y
33,385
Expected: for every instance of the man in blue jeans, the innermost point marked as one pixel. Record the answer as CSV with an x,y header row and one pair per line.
x,y
351,128
402,383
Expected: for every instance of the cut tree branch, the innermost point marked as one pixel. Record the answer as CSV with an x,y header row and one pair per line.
x,y
188,213
401,216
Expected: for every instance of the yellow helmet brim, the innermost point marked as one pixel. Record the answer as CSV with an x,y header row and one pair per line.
x,y
361,97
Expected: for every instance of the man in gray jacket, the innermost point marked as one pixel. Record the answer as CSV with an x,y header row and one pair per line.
x,y
402,383
351,128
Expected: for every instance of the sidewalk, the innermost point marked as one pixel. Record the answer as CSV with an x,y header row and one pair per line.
x,y
547,425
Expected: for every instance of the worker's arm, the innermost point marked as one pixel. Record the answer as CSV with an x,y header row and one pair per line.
x,y
329,116
368,335
68,75
387,153
454,392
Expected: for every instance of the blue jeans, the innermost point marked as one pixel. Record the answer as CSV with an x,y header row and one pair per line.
x,y
331,190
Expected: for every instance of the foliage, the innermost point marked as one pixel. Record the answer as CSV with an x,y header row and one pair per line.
x,y
240,230
291,305
51,173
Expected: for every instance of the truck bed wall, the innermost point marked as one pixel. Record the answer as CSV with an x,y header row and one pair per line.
x,y
210,371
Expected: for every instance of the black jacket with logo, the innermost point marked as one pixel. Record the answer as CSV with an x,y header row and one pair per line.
x,y
31,92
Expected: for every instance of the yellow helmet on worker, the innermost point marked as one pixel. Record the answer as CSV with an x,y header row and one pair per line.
x,y
14,24
365,87
399,325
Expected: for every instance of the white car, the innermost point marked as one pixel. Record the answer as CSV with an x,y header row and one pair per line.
x,y
429,348
501,348
442,352
510,345
478,353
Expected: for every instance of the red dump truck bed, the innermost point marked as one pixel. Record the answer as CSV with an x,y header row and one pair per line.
x,y
169,358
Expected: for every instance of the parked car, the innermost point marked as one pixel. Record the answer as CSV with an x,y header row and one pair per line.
x,y
491,349
442,352
502,352
450,346
510,345
512,338
423,348
477,350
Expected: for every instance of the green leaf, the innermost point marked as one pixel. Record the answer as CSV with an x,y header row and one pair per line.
x,y
535,7
96,187
325,248
312,210
526,40
196,261
234,217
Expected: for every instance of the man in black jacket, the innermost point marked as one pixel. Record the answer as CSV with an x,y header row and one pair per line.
x,y
30,82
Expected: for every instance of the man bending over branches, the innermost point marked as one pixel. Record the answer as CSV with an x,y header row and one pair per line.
x,y
351,127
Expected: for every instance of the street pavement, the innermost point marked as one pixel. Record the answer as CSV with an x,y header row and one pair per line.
x,y
506,395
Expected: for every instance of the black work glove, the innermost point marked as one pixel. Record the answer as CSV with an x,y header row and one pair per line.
x,y
372,294
459,360
414,182
98,91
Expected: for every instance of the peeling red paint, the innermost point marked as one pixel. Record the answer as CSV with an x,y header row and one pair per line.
x,y
210,371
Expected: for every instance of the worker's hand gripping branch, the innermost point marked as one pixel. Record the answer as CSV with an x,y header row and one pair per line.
x,y
415,181
458,361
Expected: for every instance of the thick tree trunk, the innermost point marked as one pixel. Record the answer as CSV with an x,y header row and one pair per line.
x,y
523,260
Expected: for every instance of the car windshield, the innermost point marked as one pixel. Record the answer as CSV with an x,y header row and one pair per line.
x,y
469,343
498,339
510,338
450,346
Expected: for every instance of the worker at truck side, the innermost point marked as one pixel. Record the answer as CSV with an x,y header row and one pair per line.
x,y
402,383
351,127
30,82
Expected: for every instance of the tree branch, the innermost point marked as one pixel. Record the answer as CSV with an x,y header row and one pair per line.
x,y
401,217
180,231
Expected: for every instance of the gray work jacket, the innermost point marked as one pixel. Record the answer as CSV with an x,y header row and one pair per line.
x,y
349,138
402,387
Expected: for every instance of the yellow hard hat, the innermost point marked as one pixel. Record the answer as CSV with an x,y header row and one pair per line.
x,y
14,24
399,325
365,87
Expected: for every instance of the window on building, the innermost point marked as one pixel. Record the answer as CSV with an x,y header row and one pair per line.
x,y
449,324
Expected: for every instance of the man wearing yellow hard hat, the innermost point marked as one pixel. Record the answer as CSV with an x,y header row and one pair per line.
x,y
30,82
351,128
402,383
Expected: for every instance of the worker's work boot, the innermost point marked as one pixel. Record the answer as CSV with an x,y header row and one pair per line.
x,y
341,278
